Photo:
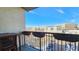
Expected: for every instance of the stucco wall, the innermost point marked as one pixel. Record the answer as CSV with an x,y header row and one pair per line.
x,y
11,19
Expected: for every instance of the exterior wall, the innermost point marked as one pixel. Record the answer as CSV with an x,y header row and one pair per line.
x,y
68,27
11,19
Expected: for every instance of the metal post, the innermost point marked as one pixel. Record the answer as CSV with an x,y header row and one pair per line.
x,y
75,45
64,45
50,40
44,43
70,46
53,44
40,44
19,42
16,41
24,40
78,46
58,45
61,45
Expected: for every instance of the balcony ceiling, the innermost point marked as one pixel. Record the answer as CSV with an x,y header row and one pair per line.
x,y
29,8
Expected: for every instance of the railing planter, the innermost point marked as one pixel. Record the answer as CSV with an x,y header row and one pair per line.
x,y
72,38
39,35
67,37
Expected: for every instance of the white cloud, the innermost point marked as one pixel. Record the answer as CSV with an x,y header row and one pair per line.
x,y
72,20
60,11
34,13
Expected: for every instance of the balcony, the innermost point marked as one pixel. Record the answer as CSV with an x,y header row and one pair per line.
x,y
47,41
39,41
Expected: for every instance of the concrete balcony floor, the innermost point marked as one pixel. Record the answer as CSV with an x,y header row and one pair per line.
x,y
50,48
28,48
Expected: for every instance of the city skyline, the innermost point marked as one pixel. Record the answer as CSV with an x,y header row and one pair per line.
x,y
49,16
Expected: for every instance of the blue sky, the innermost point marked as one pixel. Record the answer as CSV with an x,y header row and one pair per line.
x,y
49,16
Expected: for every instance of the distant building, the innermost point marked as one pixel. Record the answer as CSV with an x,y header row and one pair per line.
x,y
61,28
67,26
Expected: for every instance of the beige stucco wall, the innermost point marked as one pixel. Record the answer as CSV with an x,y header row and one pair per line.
x,y
11,19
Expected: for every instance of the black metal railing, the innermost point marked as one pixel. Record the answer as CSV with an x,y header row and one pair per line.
x,y
8,42
47,41
41,41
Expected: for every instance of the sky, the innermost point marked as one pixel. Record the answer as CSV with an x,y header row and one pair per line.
x,y
49,16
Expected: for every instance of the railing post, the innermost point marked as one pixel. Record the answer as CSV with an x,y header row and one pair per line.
x,y
58,45
0,44
53,44
44,43
40,44
50,41
24,40
61,45
15,37
78,46
19,42
65,46
75,45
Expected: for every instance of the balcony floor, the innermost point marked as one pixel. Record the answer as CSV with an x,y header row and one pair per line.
x,y
28,48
